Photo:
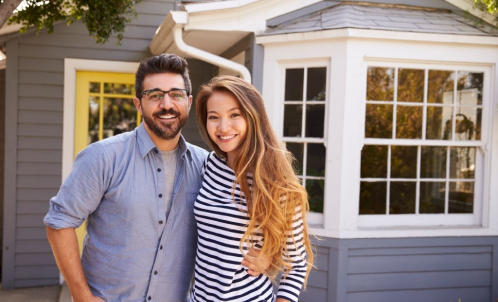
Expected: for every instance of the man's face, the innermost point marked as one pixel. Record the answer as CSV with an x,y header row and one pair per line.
x,y
164,118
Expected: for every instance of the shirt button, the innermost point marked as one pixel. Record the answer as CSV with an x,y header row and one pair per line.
x,y
149,298
155,150
158,170
161,247
155,273
160,222
160,195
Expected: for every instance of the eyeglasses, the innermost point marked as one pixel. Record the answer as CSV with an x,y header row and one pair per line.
x,y
155,95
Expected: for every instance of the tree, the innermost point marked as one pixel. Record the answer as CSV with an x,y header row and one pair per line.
x,y
102,18
488,6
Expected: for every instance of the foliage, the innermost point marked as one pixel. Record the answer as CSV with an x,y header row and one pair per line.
x,y
488,6
102,18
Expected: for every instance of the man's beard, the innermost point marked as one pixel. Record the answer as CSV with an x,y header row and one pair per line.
x,y
166,132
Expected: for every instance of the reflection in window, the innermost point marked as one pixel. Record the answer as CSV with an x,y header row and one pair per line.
x,y
380,84
410,85
373,197
441,86
304,128
111,110
439,122
379,121
432,197
416,121
409,122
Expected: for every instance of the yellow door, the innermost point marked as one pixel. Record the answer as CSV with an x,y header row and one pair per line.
x,y
104,108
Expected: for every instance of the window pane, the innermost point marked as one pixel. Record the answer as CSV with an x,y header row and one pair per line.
x,y
461,197
94,87
93,119
294,79
315,120
441,86
432,197
433,162
373,197
409,122
316,84
293,117
468,124
315,163
469,88
297,149
315,193
411,85
462,162
374,161
379,121
403,162
116,88
402,198
439,122
120,115
380,84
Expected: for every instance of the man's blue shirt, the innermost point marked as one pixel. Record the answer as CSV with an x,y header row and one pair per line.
x,y
131,252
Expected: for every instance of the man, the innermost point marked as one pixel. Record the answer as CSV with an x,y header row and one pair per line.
x,y
137,192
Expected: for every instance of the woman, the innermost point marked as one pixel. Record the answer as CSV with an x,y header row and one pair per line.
x,y
250,197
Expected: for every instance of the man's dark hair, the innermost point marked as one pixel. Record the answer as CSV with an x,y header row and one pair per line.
x,y
160,64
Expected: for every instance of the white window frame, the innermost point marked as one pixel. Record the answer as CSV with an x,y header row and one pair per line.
x,y
315,219
483,157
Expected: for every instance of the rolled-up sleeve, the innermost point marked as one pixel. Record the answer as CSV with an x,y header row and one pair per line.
x,y
82,191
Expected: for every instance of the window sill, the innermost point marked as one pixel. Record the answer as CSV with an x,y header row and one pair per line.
x,y
405,231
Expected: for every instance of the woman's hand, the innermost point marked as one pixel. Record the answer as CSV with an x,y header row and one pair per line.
x,y
251,262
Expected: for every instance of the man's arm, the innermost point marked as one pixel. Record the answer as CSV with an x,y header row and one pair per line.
x,y
64,245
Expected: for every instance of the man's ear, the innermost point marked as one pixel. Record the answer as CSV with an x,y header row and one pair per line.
x,y
138,104
190,99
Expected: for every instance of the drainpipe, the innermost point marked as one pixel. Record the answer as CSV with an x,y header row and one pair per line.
x,y
207,56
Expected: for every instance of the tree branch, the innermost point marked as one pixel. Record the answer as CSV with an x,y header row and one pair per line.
x,y
7,9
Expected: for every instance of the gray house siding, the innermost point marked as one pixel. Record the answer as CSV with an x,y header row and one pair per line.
x,y
33,127
405,269
2,147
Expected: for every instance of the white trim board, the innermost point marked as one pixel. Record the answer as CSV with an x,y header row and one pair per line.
x,y
70,68
376,34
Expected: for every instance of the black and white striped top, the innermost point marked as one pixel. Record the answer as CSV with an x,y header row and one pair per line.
x,y
221,223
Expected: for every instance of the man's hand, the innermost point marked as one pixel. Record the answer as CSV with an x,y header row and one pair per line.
x,y
255,267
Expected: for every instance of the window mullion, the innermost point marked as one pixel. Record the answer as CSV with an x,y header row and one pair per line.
x,y
447,183
101,112
417,187
455,95
303,130
388,191
424,112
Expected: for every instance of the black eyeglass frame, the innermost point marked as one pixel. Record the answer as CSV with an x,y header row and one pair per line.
x,y
165,92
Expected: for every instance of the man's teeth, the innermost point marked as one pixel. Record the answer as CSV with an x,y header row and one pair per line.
x,y
227,136
167,116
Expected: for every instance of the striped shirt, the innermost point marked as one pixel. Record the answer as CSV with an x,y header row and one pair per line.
x,y
221,223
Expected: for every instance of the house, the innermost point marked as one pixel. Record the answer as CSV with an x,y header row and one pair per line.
x,y
389,107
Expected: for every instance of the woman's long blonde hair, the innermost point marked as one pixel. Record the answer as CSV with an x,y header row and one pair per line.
x,y
277,194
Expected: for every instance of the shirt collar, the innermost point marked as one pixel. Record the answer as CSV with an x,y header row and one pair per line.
x,y
145,143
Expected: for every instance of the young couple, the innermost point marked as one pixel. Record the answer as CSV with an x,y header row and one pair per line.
x,y
160,210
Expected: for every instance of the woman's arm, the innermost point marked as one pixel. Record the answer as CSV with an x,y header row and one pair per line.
x,y
290,286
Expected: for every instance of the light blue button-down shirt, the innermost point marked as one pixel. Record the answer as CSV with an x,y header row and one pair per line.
x,y
131,252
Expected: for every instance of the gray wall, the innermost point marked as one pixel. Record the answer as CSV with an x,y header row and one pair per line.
x,y
405,269
34,111
2,147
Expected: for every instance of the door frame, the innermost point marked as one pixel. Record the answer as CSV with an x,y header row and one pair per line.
x,y
71,66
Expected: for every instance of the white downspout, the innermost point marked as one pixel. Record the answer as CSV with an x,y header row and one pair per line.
x,y
207,56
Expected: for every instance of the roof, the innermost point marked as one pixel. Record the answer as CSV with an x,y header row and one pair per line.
x,y
384,17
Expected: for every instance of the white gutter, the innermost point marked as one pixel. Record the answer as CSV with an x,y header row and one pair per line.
x,y
203,7
207,56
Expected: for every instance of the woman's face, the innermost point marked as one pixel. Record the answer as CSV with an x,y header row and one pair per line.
x,y
225,124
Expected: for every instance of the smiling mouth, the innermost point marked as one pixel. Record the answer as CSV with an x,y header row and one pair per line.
x,y
226,137
167,117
